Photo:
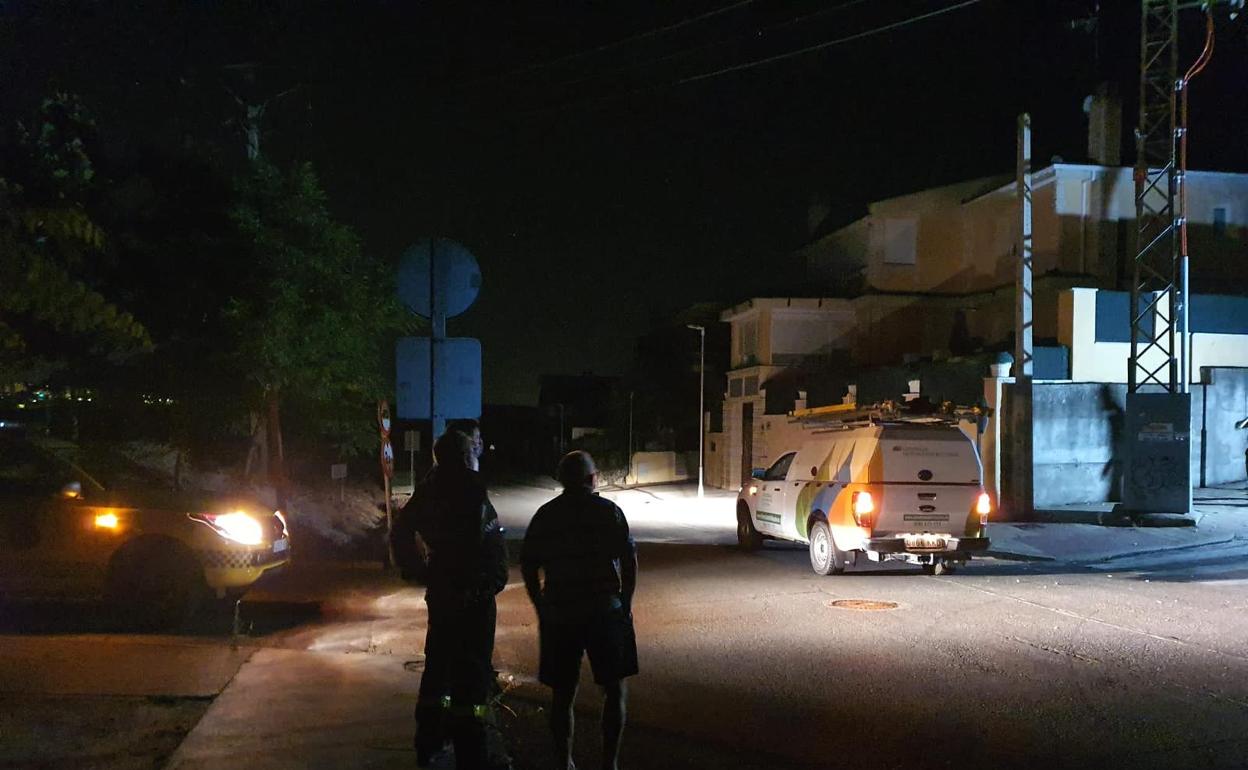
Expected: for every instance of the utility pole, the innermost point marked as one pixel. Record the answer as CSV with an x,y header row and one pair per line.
x,y
437,335
251,111
1022,468
1157,476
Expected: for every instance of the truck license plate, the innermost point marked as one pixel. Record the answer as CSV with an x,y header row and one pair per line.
x,y
925,542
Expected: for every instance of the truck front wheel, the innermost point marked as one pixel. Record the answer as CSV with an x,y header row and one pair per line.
x,y
748,538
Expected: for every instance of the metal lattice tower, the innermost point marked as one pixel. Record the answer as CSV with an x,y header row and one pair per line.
x,y
1157,339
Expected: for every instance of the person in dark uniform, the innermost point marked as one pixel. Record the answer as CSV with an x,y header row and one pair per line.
x,y
472,429
580,570
450,525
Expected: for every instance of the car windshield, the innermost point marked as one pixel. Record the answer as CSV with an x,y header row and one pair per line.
x,y
46,462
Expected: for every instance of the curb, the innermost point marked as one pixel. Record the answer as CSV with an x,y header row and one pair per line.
x,y
1156,551
1010,556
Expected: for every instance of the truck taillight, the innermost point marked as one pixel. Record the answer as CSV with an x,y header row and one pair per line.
x,y
864,506
983,506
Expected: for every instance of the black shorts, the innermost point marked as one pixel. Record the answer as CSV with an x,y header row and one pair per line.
x,y
608,639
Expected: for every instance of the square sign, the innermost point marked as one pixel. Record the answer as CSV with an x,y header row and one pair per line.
x,y
458,370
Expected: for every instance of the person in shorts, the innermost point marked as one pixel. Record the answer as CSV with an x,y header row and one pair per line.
x,y
580,570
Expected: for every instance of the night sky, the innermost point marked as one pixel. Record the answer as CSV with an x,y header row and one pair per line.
x,y
556,140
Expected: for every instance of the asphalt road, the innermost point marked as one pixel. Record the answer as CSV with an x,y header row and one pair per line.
x,y
1002,665
1005,664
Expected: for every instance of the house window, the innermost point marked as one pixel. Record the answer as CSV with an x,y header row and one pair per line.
x,y
900,236
747,342
734,387
1219,220
751,385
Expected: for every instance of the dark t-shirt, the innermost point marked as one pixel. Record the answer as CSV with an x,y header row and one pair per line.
x,y
453,514
578,540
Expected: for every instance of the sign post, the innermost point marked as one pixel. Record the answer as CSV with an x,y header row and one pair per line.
x,y
411,442
387,471
338,472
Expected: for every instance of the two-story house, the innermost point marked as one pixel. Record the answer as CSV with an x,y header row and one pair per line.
x,y
934,275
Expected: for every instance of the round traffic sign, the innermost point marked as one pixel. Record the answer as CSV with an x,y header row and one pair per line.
x,y
438,275
387,459
383,418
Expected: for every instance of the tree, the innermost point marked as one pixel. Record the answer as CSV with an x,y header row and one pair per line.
x,y
48,245
315,322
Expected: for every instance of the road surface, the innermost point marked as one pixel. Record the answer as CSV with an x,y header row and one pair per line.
x,y
1005,664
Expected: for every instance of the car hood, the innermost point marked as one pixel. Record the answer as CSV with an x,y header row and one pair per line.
x,y
182,501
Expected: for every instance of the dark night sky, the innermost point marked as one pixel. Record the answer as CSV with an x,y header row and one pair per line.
x,y
598,196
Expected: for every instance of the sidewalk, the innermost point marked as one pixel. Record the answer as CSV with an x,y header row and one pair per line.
x,y
299,709
305,709
1072,535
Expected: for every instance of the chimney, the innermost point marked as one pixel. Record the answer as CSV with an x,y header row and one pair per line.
x,y
1104,110
800,402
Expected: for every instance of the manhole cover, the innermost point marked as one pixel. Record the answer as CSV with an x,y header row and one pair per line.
x,y
862,604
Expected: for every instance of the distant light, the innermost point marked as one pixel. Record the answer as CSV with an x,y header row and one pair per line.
x,y
106,521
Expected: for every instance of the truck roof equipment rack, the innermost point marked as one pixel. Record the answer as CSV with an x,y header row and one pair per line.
x,y
848,416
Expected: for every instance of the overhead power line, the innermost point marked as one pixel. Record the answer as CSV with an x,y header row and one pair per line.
x,y
575,55
642,64
765,60
824,45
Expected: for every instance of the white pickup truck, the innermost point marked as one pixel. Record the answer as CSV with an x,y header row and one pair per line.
x,y
888,491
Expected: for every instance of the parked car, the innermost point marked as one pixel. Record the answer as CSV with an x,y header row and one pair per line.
x,y
901,491
80,523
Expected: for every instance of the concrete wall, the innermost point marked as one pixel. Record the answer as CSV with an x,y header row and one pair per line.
x,y
1217,405
1079,442
716,460
664,467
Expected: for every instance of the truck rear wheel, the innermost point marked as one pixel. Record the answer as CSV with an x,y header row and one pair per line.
x,y
825,557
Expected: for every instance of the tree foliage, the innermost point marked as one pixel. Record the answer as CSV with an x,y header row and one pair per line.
x,y
314,325
48,245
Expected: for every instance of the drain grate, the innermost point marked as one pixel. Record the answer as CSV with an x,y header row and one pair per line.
x,y
862,604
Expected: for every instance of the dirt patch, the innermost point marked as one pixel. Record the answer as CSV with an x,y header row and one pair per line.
x,y
102,733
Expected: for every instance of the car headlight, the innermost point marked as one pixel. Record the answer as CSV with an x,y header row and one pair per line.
x,y
235,525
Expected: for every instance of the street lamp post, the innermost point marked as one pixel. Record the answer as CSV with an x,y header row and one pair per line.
x,y
628,478
701,330
561,444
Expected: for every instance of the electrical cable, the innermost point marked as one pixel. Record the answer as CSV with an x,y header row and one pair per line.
x,y
634,65
827,44
604,47
759,62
